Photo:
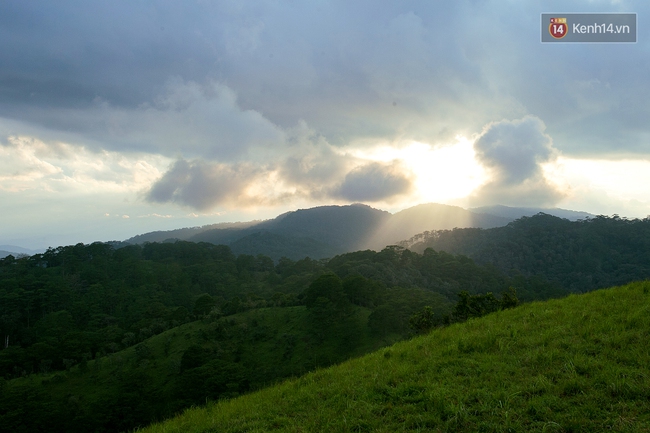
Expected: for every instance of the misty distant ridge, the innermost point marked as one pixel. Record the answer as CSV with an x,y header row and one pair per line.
x,y
518,212
326,231
187,232
6,250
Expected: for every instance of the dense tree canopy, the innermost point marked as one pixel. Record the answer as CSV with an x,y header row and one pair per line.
x,y
576,255
109,318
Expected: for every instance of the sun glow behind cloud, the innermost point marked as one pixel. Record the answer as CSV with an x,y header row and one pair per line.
x,y
603,187
442,174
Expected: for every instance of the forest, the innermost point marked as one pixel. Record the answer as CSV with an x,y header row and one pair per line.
x,y
110,337
579,256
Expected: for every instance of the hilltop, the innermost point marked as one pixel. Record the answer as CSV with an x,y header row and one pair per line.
x,y
576,364
325,231
579,255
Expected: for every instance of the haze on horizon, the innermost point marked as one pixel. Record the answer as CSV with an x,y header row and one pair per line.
x,y
118,118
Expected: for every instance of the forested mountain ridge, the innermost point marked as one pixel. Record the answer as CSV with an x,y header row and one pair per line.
x,y
186,233
326,231
429,216
579,255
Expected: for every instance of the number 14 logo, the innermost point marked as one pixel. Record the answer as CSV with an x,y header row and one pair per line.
x,y
558,28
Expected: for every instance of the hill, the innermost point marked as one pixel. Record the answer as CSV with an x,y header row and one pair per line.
x,y
317,232
575,364
186,233
514,213
6,250
429,216
579,255
210,358
97,339
326,231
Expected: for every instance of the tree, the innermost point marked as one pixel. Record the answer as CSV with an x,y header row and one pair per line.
x,y
509,298
204,305
422,321
328,286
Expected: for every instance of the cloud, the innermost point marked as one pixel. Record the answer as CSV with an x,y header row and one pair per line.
x,y
273,103
310,165
514,152
423,71
195,120
20,164
375,182
30,164
203,185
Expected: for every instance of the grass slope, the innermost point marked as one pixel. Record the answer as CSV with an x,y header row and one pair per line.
x,y
581,363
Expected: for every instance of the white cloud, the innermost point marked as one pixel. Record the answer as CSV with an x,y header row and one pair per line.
x,y
28,163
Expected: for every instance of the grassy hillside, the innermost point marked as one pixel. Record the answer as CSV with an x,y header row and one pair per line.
x,y
577,364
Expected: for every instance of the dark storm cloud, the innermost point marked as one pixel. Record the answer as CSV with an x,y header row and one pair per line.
x,y
514,152
65,54
373,69
374,182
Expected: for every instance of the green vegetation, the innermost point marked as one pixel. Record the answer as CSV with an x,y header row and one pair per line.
x,y
104,339
578,256
576,364
326,231
110,337
206,359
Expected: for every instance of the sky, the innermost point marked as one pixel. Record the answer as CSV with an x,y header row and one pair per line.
x,y
123,117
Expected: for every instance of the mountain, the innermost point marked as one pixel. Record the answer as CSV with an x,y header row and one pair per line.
x,y
275,246
574,364
429,216
92,343
329,230
578,255
14,250
186,233
514,213
326,231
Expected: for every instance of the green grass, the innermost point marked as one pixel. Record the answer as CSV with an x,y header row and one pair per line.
x,y
581,363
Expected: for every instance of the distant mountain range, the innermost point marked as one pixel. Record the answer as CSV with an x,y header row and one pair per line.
x,y
6,250
326,231
518,212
